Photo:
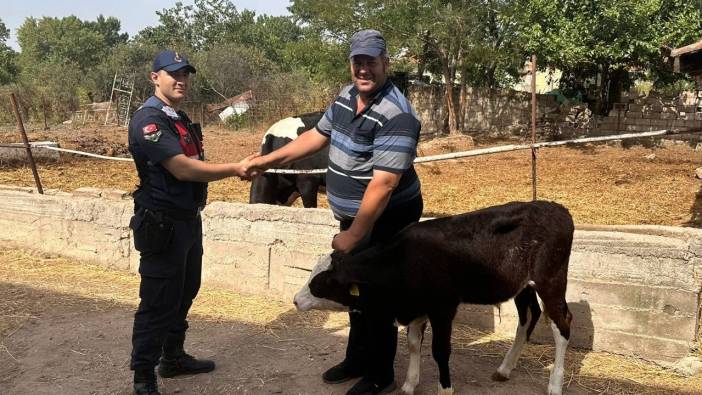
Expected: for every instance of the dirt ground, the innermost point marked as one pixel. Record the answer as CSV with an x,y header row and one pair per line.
x,y
600,184
65,328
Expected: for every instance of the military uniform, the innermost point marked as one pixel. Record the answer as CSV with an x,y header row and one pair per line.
x,y
167,231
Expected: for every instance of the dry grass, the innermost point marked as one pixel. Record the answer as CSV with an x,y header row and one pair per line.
x,y
599,184
64,279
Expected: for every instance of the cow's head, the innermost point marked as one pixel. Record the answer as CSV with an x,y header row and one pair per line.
x,y
325,290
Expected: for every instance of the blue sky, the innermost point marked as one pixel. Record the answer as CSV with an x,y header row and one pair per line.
x,y
134,14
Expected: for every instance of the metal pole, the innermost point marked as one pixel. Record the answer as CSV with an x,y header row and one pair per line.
x,y
20,125
533,127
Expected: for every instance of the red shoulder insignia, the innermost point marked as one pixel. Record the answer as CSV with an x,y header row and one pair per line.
x,y
151,133
150,128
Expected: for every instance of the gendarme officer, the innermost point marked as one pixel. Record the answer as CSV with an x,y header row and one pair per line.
x,y
168,153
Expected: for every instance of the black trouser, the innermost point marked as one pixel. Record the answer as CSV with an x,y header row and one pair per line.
x,y
170,268
373,336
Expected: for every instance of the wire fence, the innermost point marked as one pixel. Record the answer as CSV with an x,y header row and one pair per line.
x,y
422,159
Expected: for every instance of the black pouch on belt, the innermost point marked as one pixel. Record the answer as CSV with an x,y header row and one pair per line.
x,y
152,231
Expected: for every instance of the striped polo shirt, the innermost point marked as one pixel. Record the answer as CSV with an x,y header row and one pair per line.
x,y
383,136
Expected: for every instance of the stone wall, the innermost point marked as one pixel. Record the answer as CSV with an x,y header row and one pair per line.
x,y
508,113
632,289
499,112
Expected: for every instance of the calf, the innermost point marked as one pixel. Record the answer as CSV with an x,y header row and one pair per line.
x,y
283,189
517,250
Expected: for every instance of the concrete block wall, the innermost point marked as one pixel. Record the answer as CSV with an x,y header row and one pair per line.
x,y
654,113
632,289
19,154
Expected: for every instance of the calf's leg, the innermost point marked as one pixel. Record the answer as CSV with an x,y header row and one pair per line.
x,y
415,336
561,318
529,312
441,348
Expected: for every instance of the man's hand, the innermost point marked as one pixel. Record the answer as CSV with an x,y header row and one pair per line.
x,y
345,241
249,168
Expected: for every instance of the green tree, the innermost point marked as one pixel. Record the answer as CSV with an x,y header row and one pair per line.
x,y
464,42
66,40
8,68
604,40
60,59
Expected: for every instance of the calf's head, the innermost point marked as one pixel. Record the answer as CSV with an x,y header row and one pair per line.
x,y
324,289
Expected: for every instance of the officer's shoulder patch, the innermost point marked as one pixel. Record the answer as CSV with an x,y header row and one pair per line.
x,y
151,132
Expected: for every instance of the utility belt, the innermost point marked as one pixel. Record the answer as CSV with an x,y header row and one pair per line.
x,y
177,215
153,230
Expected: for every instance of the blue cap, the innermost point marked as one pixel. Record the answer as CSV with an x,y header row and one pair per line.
x,y
367,42
171,61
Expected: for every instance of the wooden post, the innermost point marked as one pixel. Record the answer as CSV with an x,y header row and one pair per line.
x,y
20,125
533,127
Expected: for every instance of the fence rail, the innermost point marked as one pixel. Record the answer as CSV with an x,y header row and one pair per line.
x,y
434,158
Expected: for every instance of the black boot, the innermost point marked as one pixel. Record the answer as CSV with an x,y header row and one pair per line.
x,y
145,382
175,361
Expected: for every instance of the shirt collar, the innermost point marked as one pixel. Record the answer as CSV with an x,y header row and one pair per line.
x,y
154,101
378,95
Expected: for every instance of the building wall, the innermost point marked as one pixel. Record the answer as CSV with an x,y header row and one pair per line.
x,y
632,289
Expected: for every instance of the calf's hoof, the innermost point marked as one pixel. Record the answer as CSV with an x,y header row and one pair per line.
x,y
497,376
445,391
407,389
553,390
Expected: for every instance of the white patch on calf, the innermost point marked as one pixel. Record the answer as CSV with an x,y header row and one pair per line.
x,y
510,360
305,301
414,343
555,382
286,128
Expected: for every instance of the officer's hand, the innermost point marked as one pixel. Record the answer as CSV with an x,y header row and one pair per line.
x,y
251,166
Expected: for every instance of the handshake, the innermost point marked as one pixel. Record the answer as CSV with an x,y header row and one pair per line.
x,y
250,167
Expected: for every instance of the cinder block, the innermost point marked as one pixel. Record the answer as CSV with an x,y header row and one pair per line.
x,y
634,296
87,192
635,107
290,268
660,123
236,266
115,194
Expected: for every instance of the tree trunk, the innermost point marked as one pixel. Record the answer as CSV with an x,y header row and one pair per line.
x,y
422,62
450,104
601,90
615,88
463,97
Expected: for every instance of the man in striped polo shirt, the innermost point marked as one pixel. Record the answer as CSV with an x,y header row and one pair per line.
x,y
372,189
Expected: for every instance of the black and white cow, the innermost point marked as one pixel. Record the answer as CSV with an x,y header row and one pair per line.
x,y
283,189
518,250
